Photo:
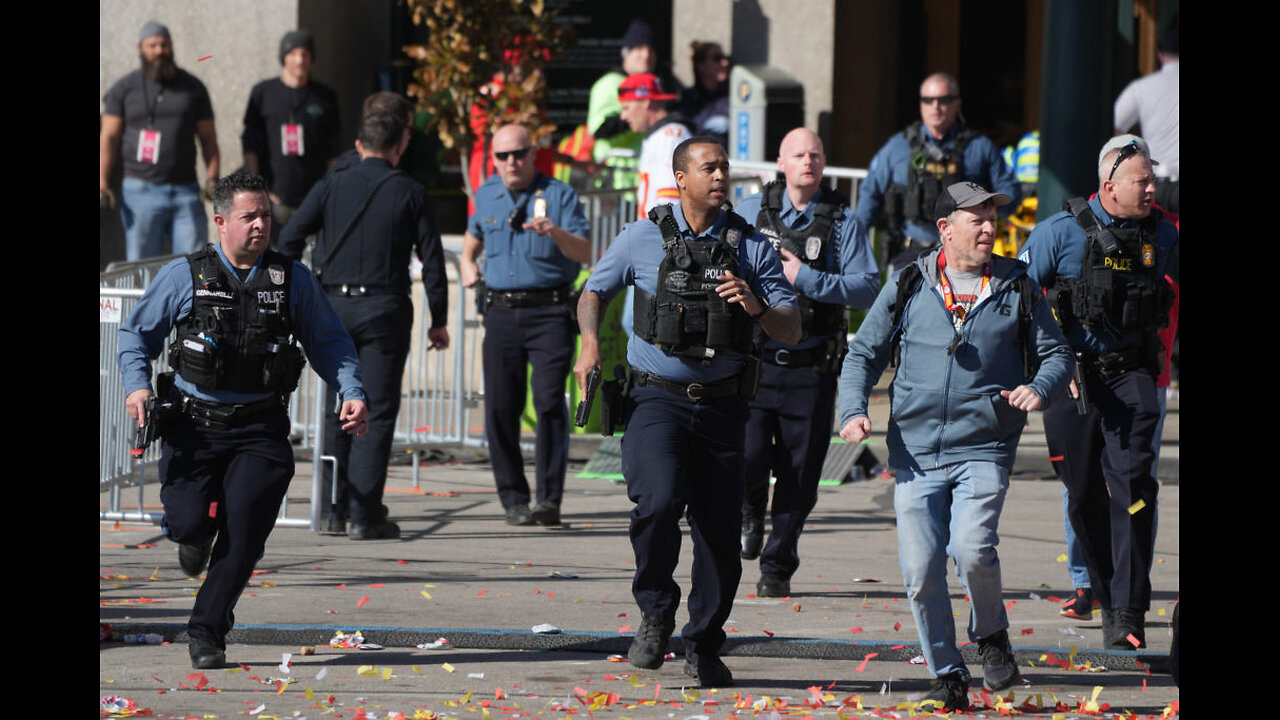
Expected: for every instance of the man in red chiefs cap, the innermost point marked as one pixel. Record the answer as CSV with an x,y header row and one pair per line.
x,y
644,108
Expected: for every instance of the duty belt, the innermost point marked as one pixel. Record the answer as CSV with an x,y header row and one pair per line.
x,y
223,416
353,290
693,391
528,298
790,358
1111,365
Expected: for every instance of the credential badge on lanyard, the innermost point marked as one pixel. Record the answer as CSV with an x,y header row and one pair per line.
x,y
148,146
291,140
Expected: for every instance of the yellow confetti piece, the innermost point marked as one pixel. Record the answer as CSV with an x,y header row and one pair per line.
x,y
366,670
447,667
425,594
1160,612
1137,506
1062,558
386,673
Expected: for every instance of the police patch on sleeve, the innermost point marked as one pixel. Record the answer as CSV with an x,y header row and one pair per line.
x,y
812,247
733,236
276,274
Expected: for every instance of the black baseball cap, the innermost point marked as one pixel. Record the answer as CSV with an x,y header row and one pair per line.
x,y
965,195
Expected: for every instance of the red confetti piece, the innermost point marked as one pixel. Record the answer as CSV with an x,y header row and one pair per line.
x,y
857,629
206,57
402,562
897,627
865,660
1135,642
362,601
213,509
766,632
1027,631
481,593
1009,605
375,585
624,628
342,586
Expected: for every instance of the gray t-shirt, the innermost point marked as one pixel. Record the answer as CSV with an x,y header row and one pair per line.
x,y
173,109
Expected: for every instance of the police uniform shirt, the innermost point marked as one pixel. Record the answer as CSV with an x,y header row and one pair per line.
x,y
519,259
172,108
168,300
982,163
273,104
633,259
1057,247
398,222
851,279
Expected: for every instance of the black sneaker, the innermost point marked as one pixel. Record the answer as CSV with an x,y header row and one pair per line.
x,y
707,669
649,648
205,656
773,586
519,515
999,666
1079,606
546,513
1119,623
752,537
194,558
333,525
948,693
385,530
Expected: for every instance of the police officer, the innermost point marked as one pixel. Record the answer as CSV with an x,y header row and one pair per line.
x,y
1104,264
374,216
532,232
703,279
908,173
826,256
226,461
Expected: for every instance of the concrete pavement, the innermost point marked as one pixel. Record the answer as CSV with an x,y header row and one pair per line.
x,y
843,643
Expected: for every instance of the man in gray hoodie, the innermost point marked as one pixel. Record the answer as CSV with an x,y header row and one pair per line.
x,y
976,348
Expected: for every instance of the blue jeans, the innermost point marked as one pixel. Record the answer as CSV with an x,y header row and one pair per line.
x,y
152,212
951,511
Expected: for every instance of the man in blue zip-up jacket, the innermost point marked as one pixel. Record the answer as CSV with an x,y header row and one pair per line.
x,y
958,405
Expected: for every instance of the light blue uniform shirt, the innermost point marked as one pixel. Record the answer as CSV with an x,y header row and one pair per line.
x,y
518,259
633,259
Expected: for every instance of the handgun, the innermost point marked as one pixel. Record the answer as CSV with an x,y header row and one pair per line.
x,y
146,433
1082,398
584,405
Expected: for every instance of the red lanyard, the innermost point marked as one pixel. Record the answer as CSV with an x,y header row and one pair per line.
x,y
951,300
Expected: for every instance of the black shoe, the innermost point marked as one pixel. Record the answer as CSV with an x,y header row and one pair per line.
x,y
1079,606
205,656
773,586
707,669
649,648
385,530
519,515
948,693
1119,623
752,537
333,525
194,558
999,666
546,513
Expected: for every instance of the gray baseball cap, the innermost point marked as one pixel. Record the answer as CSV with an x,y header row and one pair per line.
x,y
965,195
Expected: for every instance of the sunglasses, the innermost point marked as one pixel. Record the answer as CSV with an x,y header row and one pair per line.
x,y
1126,152
511,154
942,99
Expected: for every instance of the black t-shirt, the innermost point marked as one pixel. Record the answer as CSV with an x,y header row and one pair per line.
x,y
172,108
272,104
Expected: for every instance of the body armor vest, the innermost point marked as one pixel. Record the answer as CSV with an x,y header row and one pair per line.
x,y
929,169
238,336
1119,289
811,245
687,318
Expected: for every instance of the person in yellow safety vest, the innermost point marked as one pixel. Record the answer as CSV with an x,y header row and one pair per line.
x,y
1024,160
575,146
616,145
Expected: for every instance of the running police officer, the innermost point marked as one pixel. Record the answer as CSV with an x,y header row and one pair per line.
x,y
1103,263
826,256
908,173
532,232
374,217
703,279
226,461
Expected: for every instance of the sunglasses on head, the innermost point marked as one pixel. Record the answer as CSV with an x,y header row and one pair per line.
x,y
1126,152
943,99
511,154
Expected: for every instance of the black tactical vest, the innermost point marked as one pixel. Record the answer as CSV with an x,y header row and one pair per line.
x,y
1119,289
811,245
687,318
930,168
238,336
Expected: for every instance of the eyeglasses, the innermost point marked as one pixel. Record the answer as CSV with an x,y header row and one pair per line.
x,y
1125,153
941,99
511,154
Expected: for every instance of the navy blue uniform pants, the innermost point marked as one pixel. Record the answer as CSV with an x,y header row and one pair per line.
x,y
1106,468
380,327
682,458
230,482
541,337
788,433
